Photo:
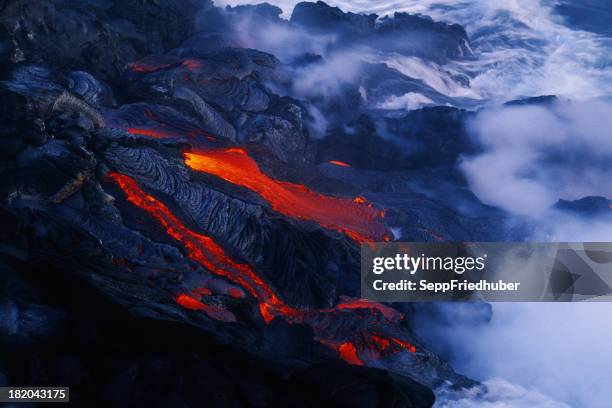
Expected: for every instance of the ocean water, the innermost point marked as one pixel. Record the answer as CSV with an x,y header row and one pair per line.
x,y
522,48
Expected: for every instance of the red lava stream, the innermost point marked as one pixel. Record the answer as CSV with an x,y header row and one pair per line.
x,y
356,218
204,250
339,163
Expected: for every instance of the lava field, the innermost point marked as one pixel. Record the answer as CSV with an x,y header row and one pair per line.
x,y
176,233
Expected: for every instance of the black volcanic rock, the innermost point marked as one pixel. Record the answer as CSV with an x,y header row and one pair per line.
x,y
535,100
21,123
60,324
98,36
225,93
93,91
403,33
406,32
418,139
226,215
436,135
282,130
263,11
360,387
587,206
327,19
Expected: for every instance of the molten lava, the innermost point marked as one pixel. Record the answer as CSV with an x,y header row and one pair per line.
x,y
380,342
389,313
353,217
192,64
348,352
151,132
153,63
160,126
339,163
404,344
191,303
202,248
209,254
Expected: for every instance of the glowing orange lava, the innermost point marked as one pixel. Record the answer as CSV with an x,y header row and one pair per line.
x,y
339,163
235,293
353,217
202,248
153,63
380,342
404,344
190,303
159,127
348,352
157,133
389,313
149,132
209,254
192,64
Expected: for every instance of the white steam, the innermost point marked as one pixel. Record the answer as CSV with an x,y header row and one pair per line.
x,y
430,73
409,101
563,350
535,155
329,77
284,41
496,393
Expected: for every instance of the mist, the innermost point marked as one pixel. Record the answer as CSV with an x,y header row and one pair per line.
x,y
278,37
535,155
539,354
531,354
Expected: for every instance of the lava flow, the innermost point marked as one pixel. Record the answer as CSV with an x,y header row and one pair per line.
x,y
348,352
151,132
218,313
354,217
204,249
209,254
155,63
159,126
165,133
387,312
339,163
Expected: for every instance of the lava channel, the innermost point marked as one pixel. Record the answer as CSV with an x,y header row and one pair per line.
x,y
156,125
339,163
209,254
154,63
356,217
204,249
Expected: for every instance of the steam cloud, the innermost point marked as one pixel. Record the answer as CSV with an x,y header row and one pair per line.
x,y
533,156
279,38
562,350
536,155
